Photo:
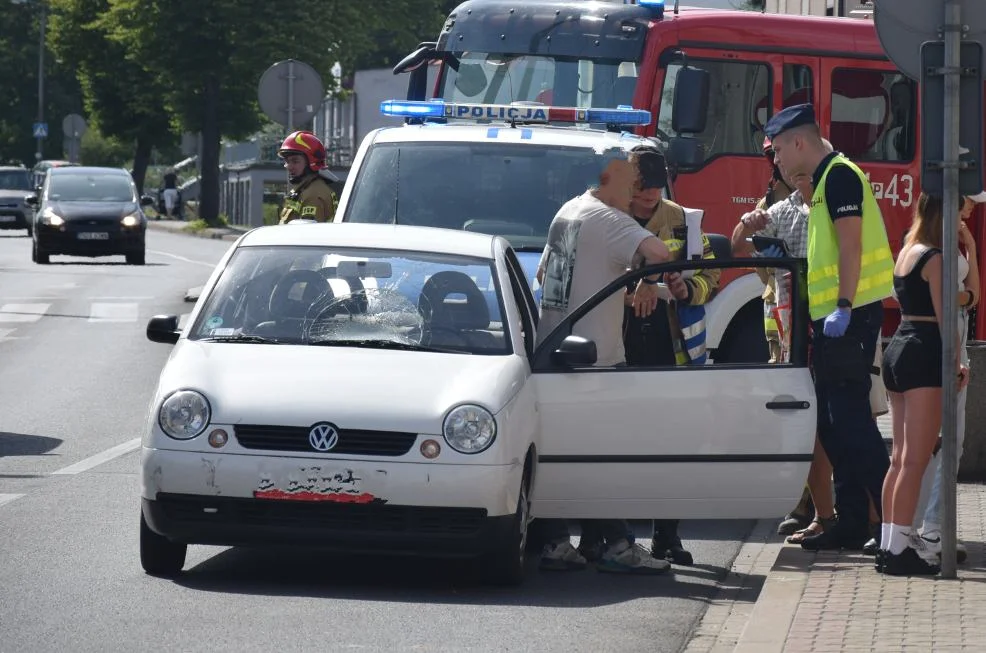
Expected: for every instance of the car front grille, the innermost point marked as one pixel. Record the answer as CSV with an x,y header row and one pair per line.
x,y
351,441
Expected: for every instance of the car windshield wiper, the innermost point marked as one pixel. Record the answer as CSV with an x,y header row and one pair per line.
x,y
371,343
242,338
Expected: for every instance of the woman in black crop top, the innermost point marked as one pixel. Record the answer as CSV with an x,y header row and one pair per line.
x,y
912,375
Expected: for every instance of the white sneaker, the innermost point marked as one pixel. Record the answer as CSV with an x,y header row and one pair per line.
x,y
927,550
932,539
626,558
561,556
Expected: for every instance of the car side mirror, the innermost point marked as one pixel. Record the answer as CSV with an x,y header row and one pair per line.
x,y
146,200
31,200
690,109
163,328
685,152
575,351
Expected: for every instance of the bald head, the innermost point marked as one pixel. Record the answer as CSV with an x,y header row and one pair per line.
x,y
617,183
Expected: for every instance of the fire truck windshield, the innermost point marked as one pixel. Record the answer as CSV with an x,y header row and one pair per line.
x,y
496,188
495,78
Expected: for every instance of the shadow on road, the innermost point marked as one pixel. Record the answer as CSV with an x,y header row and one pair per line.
x,y
307,572
18,444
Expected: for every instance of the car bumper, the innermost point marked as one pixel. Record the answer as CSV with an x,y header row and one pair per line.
x,y
406,508
56,241
13,219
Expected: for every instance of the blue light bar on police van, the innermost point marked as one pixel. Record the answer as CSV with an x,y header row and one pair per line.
x,y
521,113
657,6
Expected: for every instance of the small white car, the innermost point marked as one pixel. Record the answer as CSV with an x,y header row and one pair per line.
x,y
377,388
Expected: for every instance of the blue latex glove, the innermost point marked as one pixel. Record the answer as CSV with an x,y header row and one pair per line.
x,y
772,252
837,322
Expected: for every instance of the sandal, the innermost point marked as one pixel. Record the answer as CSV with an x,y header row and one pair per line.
x,y
817,526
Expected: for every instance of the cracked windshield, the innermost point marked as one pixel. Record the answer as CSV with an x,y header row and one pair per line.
x,y
344,297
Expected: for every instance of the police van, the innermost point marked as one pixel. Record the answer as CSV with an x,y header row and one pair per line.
x,y
503,170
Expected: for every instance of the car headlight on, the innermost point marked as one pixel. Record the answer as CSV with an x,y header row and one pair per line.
x,y
131,220
48,216
469,429
184,414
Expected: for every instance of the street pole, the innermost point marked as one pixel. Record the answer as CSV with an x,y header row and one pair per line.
x,y
949,331
39,153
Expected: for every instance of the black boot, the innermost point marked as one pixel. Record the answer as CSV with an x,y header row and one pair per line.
x,y
667,545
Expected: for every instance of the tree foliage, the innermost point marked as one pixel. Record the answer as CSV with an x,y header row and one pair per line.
x,y
121,98
19,26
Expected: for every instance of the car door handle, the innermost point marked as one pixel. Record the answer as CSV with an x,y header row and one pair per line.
x,y
788,405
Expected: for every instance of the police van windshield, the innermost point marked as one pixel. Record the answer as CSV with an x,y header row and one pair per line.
x,y
497,188
553,81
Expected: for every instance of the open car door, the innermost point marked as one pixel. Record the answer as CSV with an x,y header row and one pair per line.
x,y
727,441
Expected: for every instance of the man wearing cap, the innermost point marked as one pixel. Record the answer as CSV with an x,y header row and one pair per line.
x,y
850,273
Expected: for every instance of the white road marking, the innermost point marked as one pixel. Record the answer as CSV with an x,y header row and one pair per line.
x,y
100,458
182,258
113,312
122,298
7,498
22,312
5,334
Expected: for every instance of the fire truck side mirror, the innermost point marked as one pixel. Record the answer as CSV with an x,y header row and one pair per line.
x,y
691,101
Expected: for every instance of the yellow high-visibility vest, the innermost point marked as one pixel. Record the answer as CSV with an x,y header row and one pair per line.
x,y
876,273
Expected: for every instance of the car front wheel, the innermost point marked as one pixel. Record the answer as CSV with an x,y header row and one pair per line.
x,y
39,255
506,563
159,556
136,258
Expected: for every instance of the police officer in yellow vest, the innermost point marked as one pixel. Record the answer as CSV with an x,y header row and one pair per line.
x,y
850,272
310,197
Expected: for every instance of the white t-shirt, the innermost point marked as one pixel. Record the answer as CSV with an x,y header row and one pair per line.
x,y
590,244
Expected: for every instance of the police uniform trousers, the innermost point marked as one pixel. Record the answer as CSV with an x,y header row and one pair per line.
x,y
846,426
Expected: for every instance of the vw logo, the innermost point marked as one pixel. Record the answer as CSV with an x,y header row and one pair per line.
x,y
323,437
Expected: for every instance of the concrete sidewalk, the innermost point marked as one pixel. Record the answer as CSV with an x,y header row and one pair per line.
x,y
835,601
181,227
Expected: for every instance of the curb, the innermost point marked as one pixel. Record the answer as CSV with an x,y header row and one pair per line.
x,y
192,294
772,616
212,234
729,613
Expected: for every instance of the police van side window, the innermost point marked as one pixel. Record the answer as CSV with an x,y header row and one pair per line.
x,y
739,105
874,114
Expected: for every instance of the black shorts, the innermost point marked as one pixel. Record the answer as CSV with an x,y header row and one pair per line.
x,y
913,357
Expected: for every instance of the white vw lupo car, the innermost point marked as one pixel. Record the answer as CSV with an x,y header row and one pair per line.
x,y
377,388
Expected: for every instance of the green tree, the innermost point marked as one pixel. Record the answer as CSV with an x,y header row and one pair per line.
x,y
100,150
209,57
122,99
19,81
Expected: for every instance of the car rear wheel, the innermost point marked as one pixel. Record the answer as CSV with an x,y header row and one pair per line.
x,y
136,258
159,556
39,255
506,562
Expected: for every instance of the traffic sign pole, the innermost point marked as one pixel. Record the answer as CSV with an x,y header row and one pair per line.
x,y
950,246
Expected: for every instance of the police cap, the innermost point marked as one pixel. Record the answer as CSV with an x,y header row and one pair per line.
x,y
789,118
653,168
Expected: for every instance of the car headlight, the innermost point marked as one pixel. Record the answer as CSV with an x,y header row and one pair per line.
x,y
469,429
131,220
184,414
52,218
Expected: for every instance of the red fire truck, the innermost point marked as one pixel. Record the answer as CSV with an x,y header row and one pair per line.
x,y
606,54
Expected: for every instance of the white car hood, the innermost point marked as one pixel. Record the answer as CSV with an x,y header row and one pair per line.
x,y
294,385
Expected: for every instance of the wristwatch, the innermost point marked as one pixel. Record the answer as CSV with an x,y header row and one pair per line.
x,y
843,303
650,282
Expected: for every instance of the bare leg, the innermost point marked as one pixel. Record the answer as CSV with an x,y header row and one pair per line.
x,y
920,434
820,482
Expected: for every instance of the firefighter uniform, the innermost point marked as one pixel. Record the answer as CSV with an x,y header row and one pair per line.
x,y
311,199
687,327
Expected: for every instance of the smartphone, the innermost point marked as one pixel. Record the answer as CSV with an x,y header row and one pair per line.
x,y
760,243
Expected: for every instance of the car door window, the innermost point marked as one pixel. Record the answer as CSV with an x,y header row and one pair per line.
x,y
524,302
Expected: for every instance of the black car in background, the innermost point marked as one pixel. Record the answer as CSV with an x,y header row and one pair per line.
x,y
15,186
89,211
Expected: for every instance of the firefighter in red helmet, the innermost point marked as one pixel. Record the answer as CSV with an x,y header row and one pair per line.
x,y
311,197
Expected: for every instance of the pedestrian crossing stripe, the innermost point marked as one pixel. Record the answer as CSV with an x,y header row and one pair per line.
x,y
22,312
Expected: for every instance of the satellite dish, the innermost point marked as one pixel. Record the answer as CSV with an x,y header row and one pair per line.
x,y
903,25
290,92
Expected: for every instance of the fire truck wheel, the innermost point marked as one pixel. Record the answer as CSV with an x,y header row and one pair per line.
x,y
159,556
745,340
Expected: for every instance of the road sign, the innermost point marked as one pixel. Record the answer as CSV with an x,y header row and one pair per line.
x,y
40,130
933,117
903,25
74,126
290,92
